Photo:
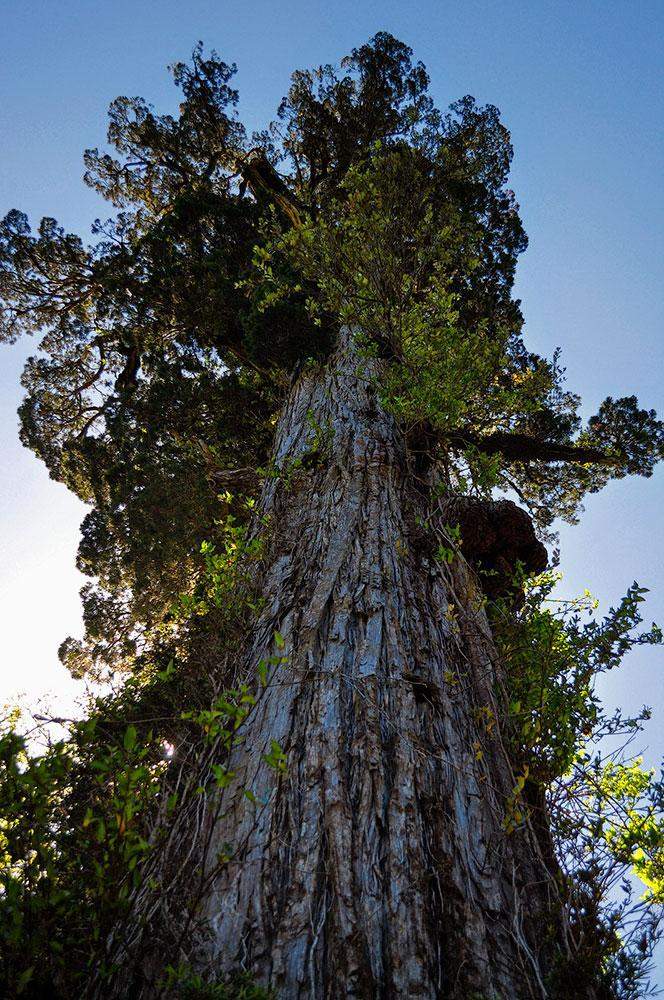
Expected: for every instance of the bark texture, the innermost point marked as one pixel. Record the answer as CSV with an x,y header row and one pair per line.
x,y
377,864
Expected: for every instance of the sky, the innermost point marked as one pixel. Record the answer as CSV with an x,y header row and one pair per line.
x,y
578,83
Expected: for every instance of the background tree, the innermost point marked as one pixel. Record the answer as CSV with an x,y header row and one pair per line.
x,y
289,378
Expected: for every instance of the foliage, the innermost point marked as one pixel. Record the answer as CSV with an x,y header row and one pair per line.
x,y
555,651
407,255
74,824
607,825
83,823
190,986
225,582
606,813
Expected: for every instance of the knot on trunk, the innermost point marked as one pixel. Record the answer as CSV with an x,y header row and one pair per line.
x,y
495,536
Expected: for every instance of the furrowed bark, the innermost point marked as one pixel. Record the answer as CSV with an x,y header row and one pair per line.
x,y
377,865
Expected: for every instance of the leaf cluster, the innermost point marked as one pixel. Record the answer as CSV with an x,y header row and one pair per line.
x,y
602,811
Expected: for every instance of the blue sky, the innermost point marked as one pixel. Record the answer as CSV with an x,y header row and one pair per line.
x,y
579,85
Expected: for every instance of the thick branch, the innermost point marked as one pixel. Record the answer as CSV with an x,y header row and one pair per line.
x,y
523,448
265,183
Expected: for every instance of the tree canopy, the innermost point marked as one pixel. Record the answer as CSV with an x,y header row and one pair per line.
x,y
168,340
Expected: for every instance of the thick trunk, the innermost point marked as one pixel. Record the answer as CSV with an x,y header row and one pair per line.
x,y
377,865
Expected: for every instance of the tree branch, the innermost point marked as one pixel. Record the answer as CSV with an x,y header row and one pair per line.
x,y
524,448
265,183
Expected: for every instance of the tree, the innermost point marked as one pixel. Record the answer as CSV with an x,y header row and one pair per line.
x,y
289,379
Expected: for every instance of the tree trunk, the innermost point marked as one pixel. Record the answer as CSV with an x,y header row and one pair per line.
x,y
377,865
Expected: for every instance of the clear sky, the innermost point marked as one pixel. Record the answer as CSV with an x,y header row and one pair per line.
x,y
579,83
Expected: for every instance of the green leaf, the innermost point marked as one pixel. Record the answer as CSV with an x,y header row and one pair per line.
x,y
24,979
